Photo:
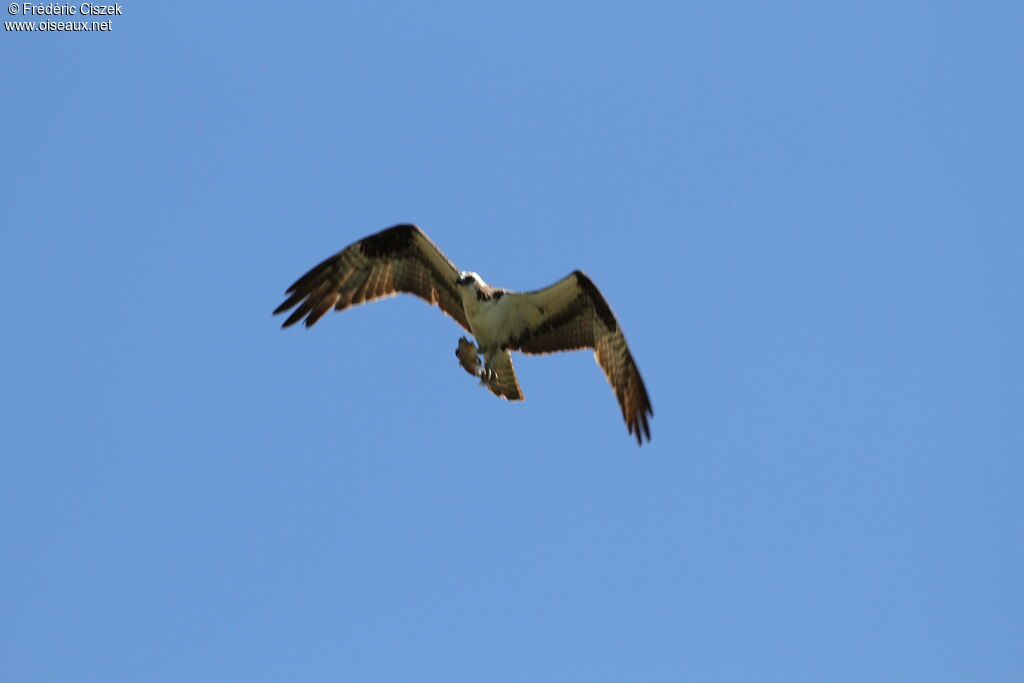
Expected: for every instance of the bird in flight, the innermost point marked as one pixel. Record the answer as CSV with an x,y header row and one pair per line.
x,y
569,315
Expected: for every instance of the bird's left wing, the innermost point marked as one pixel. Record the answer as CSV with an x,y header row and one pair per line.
x,y
571,314
399,259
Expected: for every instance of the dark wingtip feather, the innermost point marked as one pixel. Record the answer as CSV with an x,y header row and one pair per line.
x,y
297,314
316,315
638,425
289,302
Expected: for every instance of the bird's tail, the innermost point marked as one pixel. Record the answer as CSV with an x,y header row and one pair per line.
x,y
502,380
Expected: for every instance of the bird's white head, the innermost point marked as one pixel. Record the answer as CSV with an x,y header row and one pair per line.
x,y
468,278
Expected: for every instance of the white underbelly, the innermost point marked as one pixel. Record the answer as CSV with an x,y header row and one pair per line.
x,y
493,321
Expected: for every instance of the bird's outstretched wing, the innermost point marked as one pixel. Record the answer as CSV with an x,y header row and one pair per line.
x,y
399,259
571,314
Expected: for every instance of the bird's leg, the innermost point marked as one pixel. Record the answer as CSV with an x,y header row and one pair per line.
x,y
487,375
469,355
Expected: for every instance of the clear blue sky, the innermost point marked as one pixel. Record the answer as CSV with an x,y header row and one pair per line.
x,y
807,218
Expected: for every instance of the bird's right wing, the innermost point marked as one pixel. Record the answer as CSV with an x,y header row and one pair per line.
x,y
399,259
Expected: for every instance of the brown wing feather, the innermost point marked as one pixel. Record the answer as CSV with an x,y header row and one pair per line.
x,y
399,259
574,315
614,357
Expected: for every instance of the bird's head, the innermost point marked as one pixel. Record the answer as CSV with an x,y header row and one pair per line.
x,y
468,278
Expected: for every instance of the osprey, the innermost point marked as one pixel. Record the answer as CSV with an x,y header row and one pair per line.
x,y
570,314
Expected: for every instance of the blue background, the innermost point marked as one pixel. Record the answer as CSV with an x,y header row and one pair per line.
x,y
806,216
